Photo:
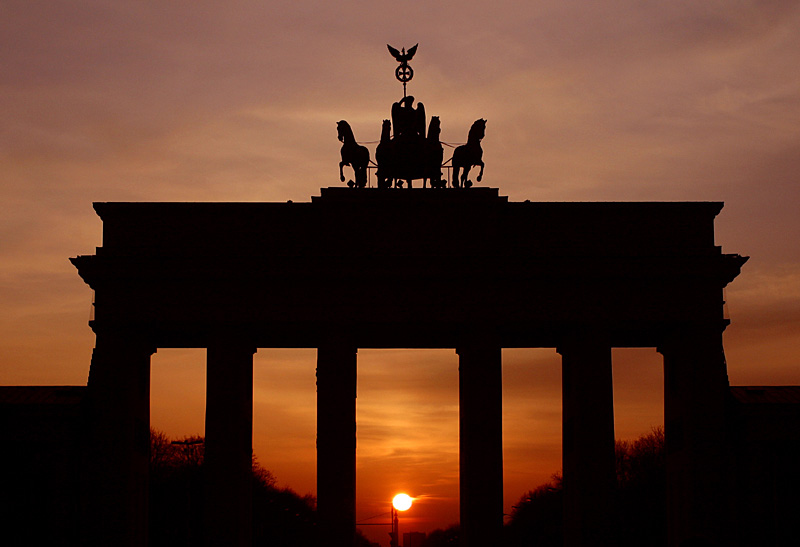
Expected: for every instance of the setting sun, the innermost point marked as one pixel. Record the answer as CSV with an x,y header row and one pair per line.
x,y
402,502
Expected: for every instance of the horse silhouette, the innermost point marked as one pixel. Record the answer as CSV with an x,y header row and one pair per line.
x,y
353,155
468,155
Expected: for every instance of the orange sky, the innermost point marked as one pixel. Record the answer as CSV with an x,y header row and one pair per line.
x,y
200,101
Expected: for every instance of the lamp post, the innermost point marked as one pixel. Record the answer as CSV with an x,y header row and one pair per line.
x,y
401,502
395,528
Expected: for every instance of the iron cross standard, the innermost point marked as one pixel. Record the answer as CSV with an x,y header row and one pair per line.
x,y
404,72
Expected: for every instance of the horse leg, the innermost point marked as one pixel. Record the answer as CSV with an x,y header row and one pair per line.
x,y
383,180
465,182
433,178
456,169
480,175
341,171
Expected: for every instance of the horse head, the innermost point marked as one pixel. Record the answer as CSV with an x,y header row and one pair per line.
x,y
477,131
386,131
345,131
434,128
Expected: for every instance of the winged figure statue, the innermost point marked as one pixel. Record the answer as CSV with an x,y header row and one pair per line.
x,y
402,56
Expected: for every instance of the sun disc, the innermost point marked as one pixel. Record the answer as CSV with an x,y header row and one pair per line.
x,y
402,502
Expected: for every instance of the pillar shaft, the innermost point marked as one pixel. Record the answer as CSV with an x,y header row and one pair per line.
x,y
229,443
336,444
116,456
481,444
588,440
695,392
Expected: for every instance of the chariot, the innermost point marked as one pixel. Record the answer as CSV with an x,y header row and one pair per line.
x,y
407,151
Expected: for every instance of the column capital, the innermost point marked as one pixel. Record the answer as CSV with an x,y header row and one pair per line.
x,y
582,336
338,337
688,333
232,338
133,337
338,345
478,340
476,347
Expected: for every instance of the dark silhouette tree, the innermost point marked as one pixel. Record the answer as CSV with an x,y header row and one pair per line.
x,y
537,519
641,490
640,494
176,490
281,517
362,541
447,537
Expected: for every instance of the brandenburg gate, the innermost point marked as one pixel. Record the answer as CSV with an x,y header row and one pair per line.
x,y
417,268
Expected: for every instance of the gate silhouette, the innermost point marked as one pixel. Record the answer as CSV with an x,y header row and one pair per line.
x,y
461,269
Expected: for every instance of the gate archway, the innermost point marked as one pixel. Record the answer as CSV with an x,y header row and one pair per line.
x,y
467,270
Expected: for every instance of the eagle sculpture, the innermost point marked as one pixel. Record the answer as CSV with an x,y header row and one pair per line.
x,y
402,57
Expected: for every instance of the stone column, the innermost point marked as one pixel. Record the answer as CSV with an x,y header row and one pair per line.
x,y
336,444
229,442
695,392
588,440
117,447
481,444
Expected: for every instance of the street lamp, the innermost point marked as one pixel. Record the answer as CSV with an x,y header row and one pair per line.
x,y
401,502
